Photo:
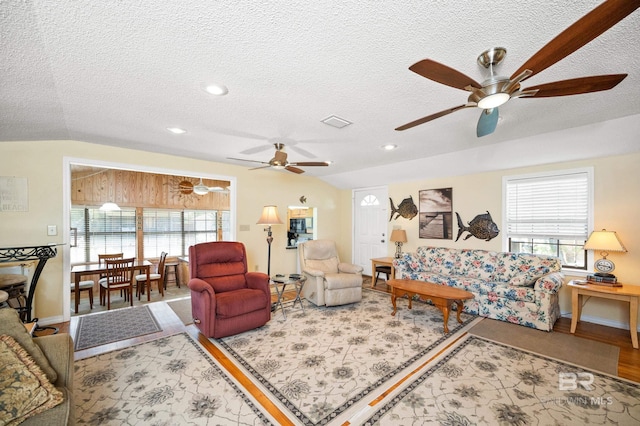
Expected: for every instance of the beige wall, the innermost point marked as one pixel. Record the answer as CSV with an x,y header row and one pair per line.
x,y
42,164
617,208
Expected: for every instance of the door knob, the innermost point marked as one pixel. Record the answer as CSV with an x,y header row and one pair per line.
x,y
382,241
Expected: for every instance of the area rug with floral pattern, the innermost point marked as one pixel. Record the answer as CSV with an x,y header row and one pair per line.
x,y
323,365
168,381
479,381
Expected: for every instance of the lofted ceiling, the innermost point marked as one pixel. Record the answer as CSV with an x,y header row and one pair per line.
x,y
119,72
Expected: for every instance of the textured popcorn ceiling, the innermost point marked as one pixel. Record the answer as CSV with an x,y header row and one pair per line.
x,y
120,72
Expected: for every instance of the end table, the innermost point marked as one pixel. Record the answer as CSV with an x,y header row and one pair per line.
x,y
627,293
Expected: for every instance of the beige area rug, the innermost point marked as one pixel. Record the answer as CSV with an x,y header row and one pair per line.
x,y
323,365
182,308
566,347
481,382
168,381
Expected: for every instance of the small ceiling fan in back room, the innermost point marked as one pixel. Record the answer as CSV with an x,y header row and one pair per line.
x,y
279,161
497,90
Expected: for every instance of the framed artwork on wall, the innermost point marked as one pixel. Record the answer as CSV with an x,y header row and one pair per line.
x,y
436,214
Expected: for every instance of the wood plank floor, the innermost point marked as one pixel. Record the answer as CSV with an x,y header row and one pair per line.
x,y
628,363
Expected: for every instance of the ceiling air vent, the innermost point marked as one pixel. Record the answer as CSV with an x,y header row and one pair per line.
x,y
336,122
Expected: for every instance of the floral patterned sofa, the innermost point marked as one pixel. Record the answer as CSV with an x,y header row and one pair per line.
x,y
515,287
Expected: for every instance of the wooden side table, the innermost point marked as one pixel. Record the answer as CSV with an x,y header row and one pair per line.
x,y
627,293
382,261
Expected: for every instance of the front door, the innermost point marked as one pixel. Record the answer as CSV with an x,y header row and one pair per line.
x,y
370,226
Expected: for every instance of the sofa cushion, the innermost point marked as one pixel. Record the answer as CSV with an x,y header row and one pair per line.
x,y
26,390
477,264
10,324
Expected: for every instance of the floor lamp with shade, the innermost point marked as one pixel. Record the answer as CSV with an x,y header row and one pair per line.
x,y
269,217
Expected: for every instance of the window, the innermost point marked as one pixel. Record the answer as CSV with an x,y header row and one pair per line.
x,y
102,232
162,230
172,231
550,214
370,200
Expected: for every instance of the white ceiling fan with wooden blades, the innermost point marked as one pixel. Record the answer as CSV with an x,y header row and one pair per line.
x,y
497,90
279,161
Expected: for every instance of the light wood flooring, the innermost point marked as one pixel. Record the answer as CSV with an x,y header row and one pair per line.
x,y
628,364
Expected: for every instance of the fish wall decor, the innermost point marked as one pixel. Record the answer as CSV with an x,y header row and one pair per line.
x,y
407,209
482,227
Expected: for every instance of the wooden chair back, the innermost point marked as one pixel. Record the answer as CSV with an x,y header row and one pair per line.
x,y
120,272
102,258
163,260
119,277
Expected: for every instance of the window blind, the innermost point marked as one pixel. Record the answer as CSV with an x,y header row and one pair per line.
x,y
162,232
552,206
100,232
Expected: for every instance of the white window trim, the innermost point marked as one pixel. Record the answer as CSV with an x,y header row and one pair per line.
x,y
590,173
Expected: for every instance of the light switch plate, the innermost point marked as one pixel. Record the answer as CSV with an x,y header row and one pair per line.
x,y
52,230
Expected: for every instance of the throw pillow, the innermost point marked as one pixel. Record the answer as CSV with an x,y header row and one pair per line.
x,y
26,391
11,325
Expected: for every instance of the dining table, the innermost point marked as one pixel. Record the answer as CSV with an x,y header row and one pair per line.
x,y
80,271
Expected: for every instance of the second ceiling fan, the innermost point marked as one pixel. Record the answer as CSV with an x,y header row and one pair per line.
x,y
279,161
497,90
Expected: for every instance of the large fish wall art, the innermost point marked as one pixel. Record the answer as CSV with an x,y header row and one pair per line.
x,y
482,227
407,209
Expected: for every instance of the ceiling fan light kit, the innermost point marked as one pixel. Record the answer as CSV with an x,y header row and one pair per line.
x,y
496,90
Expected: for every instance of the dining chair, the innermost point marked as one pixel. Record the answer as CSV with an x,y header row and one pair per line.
x,y
158,277
102,258
119,277
86,285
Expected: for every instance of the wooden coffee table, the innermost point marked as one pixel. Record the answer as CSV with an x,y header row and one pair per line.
x,y
440,295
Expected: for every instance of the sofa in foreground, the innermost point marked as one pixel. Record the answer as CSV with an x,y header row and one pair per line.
x,y
36,375
516,287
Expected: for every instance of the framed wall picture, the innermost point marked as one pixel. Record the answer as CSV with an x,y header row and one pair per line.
x,y
436,214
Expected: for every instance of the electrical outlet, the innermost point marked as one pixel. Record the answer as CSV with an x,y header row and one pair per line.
x,y
52,230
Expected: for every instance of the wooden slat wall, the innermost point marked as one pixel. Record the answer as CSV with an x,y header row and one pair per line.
x,y
94,187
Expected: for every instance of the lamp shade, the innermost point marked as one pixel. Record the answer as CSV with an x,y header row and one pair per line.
x,y
605,241
399,236
269,216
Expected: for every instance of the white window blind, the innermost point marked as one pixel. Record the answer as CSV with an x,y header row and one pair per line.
x,y
101,232
552,206
199,227
162,231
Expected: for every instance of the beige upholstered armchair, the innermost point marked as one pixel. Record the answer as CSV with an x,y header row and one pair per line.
x,y
329,281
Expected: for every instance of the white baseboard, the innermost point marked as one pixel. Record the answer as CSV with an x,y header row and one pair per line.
x,y
51,320
600,321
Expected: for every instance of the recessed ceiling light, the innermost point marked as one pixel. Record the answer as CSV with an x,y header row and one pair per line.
x,y
176,130
216,89
389,147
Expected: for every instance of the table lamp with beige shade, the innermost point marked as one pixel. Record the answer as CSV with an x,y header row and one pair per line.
x,y
605,242
398,236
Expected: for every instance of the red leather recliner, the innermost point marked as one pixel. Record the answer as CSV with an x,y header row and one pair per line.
x,y
225,298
